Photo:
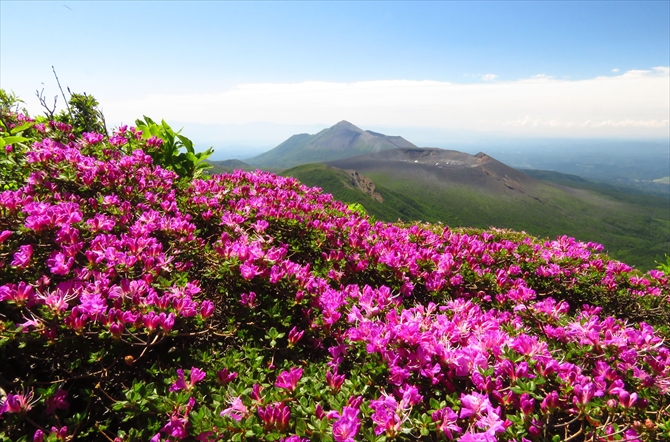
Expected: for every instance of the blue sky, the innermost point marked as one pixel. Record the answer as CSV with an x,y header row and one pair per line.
x,y
253,73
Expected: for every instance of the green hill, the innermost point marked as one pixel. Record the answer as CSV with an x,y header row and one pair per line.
x,y
226,166
636,231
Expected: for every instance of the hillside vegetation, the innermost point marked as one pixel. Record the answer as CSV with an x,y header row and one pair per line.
x,y
141,301
632,227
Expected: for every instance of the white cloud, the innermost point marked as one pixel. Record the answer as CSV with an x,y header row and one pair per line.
x,y
634,103
489,77
615,70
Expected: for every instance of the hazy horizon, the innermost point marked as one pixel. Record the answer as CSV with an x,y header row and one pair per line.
x,y
465,141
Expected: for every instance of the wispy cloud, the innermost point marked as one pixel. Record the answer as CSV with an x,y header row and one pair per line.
x,y
489,77
632,103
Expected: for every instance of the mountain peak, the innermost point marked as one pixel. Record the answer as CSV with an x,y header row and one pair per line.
x,y
342,140
344,124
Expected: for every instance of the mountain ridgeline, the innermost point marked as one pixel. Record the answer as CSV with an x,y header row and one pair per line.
x,y
396,180
344,140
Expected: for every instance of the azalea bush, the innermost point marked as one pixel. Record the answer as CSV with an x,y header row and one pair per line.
x,y
138,304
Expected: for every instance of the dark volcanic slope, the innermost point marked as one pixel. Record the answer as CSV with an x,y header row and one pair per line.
x,y
444,168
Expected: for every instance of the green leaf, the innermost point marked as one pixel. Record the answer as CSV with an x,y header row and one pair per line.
x,y
13,139
22,127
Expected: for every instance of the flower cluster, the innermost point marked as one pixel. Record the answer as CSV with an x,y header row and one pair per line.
x,y
300,319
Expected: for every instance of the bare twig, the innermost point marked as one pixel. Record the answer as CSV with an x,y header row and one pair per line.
x,y
43,102
61,91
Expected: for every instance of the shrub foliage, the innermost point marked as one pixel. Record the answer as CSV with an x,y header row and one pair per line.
x,y
138,304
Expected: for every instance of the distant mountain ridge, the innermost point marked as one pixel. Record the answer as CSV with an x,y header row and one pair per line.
x,y
342,140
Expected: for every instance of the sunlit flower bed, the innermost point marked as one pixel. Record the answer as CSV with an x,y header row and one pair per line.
x,y
137,305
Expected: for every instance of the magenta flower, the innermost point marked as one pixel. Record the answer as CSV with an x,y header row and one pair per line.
x,y
38,436
23,257
627,400
256,392
92,304
248,299
224,376
446,421
334,380
346,427
61,433
196,376
294,336
117,140
491,422
20,294
57,401
389,415
275,416
474,404
17,403
477,437
249,271
526,403
289,379
237,409
550,402
294,439
206,308
92,137
4,235
59,264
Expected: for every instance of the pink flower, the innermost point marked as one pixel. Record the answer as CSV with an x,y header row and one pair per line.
x,y
294,336
334,380
256,392
92,137
92,304
23,257
474,404
59,264
294,439
446,422
491,422
237,409
550,402
17,403
526,403
181,384
117,141
289,379
19,294
248,271
206,308
57,401
224,376
346,427
248,299
275,416
4,235
61,433
389,415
